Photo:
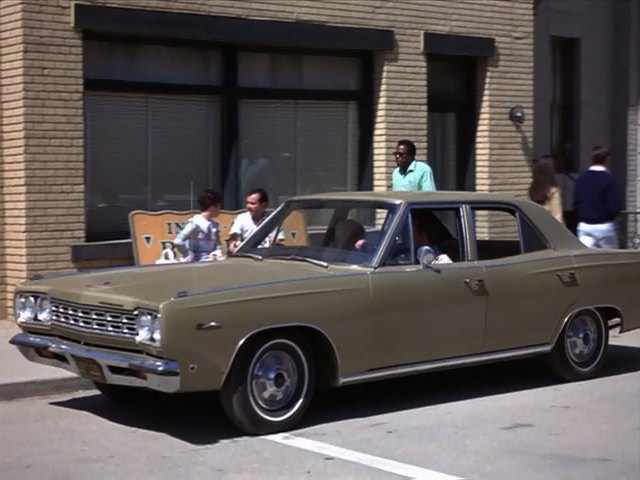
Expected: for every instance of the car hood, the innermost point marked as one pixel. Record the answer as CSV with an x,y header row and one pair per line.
x,y
151,285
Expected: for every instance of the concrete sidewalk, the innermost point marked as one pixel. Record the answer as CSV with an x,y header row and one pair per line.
x,y
20,378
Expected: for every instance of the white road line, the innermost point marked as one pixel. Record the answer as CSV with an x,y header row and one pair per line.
x,y
391,466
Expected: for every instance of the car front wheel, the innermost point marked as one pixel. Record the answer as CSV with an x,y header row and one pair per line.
x,y
581,348
270,385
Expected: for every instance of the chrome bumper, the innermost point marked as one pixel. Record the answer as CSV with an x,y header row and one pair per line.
x,y
116,368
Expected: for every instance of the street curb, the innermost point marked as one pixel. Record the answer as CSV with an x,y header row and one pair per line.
x,y
40,388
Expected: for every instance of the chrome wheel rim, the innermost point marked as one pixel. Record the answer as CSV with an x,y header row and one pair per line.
x,y
583,340
278,379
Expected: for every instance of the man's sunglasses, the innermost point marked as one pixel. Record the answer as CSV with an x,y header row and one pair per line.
x,y
399,154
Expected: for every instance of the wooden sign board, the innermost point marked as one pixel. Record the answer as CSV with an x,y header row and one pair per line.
x,y
153,232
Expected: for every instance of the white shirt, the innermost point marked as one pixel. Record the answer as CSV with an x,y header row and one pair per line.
x,y
244,225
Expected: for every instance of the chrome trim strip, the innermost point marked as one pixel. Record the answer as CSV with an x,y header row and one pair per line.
x,y
162,375
416,368
279,327
471,251
208,326
614,322
396,269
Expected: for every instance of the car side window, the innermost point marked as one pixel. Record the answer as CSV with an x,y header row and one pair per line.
x,y
532,240
441,229
496,232
504,232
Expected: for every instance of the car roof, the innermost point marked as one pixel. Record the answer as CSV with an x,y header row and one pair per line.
x,y
556,232
413,197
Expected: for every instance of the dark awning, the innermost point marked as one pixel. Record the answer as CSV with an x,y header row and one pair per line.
x,y
444,44
236,31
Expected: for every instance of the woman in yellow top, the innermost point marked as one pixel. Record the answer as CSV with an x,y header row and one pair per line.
x,y
544,189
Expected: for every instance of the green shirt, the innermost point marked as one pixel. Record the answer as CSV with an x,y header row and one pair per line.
x,y
417,177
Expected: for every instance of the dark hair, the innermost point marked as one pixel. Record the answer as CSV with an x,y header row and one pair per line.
x,y
347,233
411,147
264,198
599,155
209,198
544,177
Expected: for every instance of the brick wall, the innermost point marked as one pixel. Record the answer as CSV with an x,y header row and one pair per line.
x,y
42,103
402,84
12,148
42,153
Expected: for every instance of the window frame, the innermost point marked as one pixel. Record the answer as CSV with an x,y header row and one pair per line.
x,y
519,217
403,221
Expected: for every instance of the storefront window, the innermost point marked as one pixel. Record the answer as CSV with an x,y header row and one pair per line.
x,y
164,121
146,152
291,147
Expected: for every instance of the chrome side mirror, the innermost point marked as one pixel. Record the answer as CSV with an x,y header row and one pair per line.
x,y
426,255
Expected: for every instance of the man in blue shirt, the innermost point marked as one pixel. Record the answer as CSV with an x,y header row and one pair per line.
x,y
597,202
411,175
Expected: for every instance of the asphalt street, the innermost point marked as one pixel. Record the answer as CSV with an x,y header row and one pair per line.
x,y
496,422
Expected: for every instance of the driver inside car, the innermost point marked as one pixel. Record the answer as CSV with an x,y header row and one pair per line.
x,y
349,235
421,238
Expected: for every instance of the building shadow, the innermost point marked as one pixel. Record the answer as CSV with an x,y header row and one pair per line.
x,y
198,419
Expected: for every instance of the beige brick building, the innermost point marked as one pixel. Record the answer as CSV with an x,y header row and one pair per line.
x,y
55,79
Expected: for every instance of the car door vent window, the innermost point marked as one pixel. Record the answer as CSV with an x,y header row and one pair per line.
x,y
532,241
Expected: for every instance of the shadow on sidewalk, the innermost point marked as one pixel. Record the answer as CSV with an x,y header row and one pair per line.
x,y
199,419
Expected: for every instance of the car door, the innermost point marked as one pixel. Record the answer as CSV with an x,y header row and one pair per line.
x,y
421,314
530,287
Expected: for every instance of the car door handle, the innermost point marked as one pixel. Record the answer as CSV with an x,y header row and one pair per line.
x,y
568,278
476,285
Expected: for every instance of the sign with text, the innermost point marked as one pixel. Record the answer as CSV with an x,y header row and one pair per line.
x,y
153,232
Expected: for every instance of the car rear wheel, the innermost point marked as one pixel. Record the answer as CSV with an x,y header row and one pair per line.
x,y
581,348
270,385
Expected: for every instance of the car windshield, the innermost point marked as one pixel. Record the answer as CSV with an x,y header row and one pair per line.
x,y
322,232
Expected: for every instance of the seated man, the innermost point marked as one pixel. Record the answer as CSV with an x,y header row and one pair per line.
x,y
349,235
421,238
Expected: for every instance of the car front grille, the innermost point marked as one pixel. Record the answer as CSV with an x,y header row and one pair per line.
x,y
92,318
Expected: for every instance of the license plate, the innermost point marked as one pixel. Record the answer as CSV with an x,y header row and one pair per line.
x,y
90,369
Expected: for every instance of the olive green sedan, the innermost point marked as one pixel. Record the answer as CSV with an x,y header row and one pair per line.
x,y
350,287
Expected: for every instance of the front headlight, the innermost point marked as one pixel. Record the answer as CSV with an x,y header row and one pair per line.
x,y
25,308
148,324
43,309
33,307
